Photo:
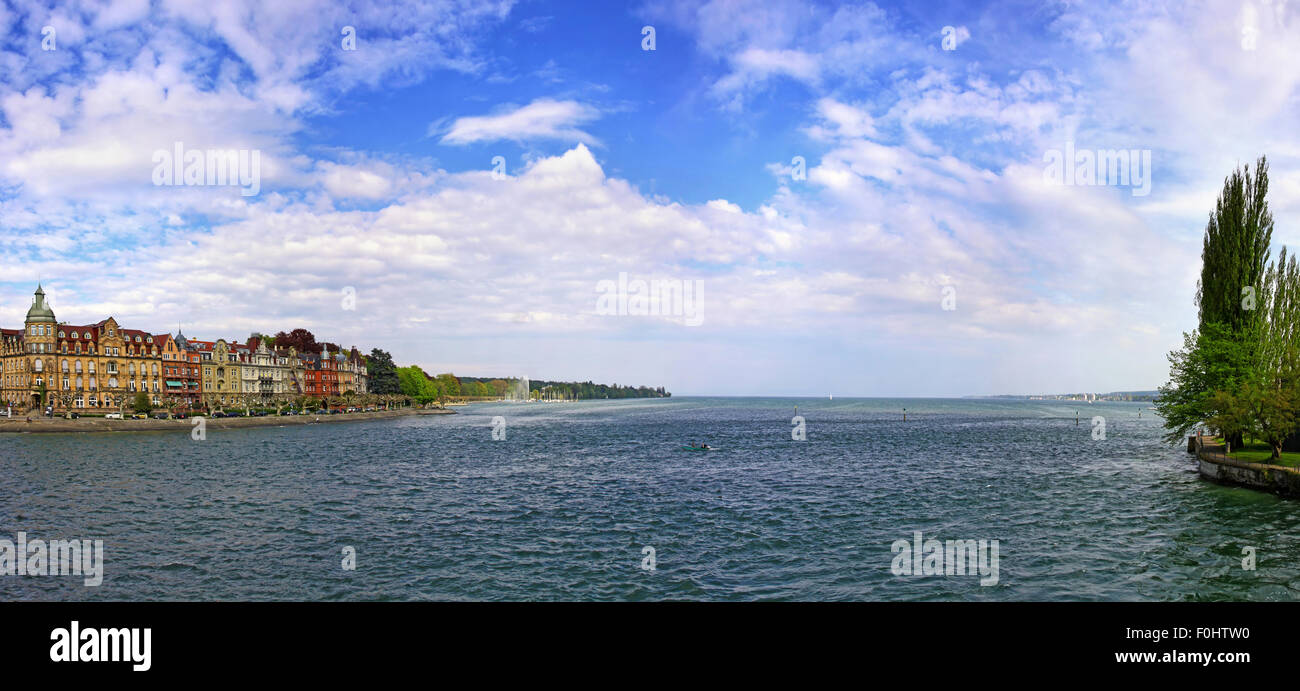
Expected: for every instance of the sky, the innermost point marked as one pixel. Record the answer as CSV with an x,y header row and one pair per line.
x,y
859,199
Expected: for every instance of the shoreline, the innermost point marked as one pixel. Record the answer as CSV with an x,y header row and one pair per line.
x,y
1265,477
44,425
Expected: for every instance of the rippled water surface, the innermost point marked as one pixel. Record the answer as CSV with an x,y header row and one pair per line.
x,y
561,509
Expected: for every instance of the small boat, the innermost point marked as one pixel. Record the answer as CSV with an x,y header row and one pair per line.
x,y
706,447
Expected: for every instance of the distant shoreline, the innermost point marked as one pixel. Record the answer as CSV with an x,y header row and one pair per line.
x,y
44,425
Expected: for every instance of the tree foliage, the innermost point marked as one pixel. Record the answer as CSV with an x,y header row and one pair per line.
x,y
1245,310
302,339
1211,360
1234,249
383,373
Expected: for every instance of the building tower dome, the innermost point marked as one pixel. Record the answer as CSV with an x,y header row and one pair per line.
x,y
40,312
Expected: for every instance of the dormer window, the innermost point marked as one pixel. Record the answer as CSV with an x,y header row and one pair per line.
x,y
61,334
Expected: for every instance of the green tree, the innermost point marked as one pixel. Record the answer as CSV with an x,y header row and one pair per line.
x,y
416,384
141,403
1275,415
383,373
1234,289
1211,360
1234,249
1233,412
449,384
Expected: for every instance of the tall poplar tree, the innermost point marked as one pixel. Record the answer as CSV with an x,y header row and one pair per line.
x,y
1233,304
1235,250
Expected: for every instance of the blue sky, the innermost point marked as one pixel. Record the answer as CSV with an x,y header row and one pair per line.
x,y
924,160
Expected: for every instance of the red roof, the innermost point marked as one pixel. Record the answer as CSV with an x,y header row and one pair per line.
x,y
81,333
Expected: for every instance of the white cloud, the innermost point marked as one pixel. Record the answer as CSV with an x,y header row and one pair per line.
x,y
541,119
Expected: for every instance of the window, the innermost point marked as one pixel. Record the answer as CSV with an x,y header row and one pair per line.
x,y
61,335
75,334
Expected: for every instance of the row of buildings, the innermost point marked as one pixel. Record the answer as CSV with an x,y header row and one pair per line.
x,y
101,365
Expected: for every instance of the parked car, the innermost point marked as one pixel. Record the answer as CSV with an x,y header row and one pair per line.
x,y
140,416
74,416
112,416
160,416
286,412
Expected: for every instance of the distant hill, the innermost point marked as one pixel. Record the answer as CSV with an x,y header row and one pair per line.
x,y
1109,396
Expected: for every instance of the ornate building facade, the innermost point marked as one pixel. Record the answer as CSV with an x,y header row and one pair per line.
x,y
48,364
58,365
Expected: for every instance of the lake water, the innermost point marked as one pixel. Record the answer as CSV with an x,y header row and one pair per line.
x,y
562,507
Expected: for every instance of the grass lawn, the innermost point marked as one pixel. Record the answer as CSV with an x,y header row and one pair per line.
x,y
1258,452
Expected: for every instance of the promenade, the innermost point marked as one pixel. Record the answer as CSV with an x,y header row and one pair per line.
x,y
19,425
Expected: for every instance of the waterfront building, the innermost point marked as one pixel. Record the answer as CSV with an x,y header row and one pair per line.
x,y
102,365
181,375
222,384
352,372
267,373
321,376
64,366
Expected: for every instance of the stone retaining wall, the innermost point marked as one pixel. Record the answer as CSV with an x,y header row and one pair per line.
x,y
1216,467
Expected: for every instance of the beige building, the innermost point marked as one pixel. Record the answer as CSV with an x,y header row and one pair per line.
x,y
63,366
